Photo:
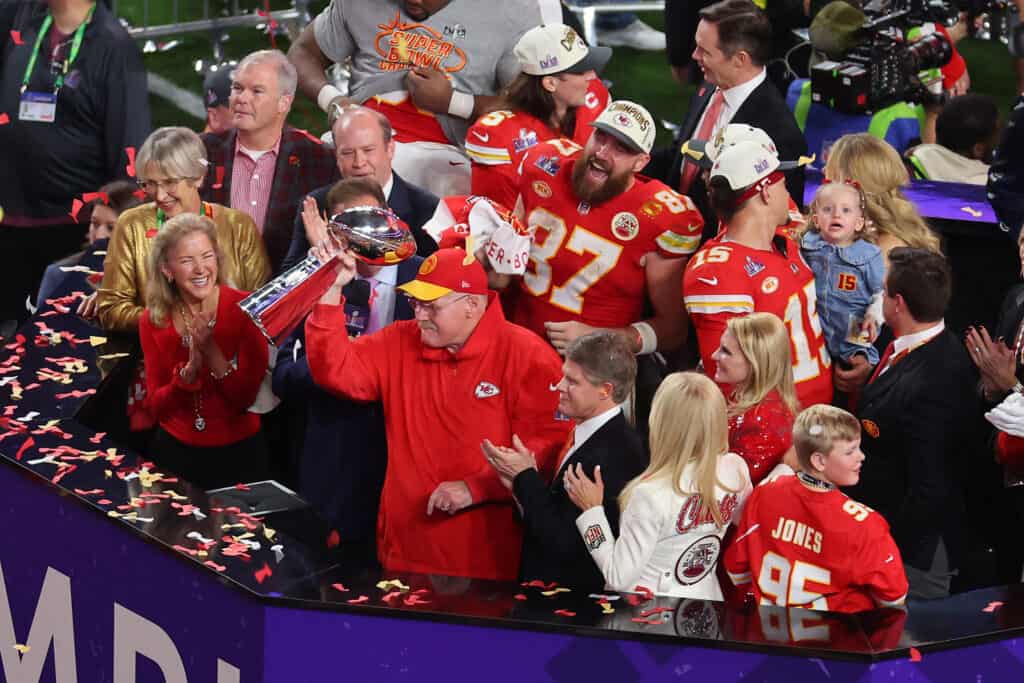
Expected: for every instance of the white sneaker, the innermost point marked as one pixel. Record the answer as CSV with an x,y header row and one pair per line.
x,y
637,35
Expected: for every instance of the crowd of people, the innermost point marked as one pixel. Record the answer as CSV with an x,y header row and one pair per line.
x,y
603,354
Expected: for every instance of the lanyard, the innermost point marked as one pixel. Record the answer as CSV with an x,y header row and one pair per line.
x,y
161,217
76,45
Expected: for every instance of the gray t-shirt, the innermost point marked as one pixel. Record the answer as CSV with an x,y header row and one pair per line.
x,y
470,40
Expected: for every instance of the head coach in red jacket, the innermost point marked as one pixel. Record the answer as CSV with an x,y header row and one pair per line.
x,y
458,373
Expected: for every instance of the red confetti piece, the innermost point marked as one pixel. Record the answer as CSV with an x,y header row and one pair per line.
x,y
414,600
97,437
29,442
16,37
103,501
520,596
218,567
4,118
333,539
641,620
219,172
76,206
310,136
540,584
645,595
183,549
564,613
93,196
915,655
141,194
339,587
357,601
655,610
130,168
90,492
992,607
243,487
76,394
264,573
392,597
68,469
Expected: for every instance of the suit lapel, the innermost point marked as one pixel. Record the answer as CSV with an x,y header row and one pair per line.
x,y
399,199
407,271
751,104
697,106
595,438
282,175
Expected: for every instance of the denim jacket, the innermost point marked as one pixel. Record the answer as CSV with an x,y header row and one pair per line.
x,y
846,278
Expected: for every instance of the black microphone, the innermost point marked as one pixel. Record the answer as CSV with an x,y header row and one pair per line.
x,y
357,293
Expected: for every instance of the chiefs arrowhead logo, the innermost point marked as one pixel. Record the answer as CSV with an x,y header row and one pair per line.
x,y
486,390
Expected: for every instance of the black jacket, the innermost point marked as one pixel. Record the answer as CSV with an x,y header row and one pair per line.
x,y
553,549
410,203
764,108
915,422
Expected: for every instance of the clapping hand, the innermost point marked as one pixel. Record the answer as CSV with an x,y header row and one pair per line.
x,y
509,462
583,491
995,360
450,497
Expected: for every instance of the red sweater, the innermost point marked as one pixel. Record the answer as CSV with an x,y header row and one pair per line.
x,y
225,402
438,407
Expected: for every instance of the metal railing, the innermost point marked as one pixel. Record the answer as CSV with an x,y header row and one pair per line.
x,y
236,16
588,13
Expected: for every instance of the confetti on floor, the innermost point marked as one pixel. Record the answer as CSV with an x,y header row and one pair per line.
x,y
358,601
520,596
339,587
555,591
992,607
22,649
915,655
564,613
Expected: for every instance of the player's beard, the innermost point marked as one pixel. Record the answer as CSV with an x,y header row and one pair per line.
x,y
613,185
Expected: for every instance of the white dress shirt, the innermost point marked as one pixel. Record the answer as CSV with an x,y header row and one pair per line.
x,y
382,297
912,341
734,99
586,429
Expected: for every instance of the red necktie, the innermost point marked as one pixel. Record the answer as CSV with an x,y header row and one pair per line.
x,y
570,439
888,360
707,126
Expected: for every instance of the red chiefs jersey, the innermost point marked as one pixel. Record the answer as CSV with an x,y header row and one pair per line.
x,y
725,279
497,142
818,549
409,122
586,261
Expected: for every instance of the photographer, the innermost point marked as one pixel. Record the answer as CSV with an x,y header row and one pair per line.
x,y
837,103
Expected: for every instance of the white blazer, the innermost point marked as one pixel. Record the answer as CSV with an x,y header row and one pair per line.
x,y
665,544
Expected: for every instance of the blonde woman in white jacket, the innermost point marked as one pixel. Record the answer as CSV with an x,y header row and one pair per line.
x,y
670,540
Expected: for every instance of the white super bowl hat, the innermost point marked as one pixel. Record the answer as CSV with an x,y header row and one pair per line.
x,y
557,48
745,163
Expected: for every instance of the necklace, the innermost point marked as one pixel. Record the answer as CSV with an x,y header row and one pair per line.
x,y
814,482
197,397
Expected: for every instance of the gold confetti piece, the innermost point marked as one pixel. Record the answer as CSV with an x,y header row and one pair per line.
x,y
555,591
606,608
203,553
97,341
244,536
175,495
269,533
392,583
51,423
974,212
107,474
22,649
113,513
111,356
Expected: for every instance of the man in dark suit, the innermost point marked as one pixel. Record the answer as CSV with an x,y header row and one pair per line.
x,y
734,42
364,149
260,165
599,372
343,455
915,413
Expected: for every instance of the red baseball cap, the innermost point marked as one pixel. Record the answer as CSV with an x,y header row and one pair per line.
x,y
446,271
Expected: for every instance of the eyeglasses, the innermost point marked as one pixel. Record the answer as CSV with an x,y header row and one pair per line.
x,y
167,185
431,308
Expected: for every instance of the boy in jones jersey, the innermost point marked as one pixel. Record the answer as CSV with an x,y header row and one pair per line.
x,y
803,543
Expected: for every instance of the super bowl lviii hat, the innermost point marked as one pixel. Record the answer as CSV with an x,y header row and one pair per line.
x,y
630,123
217,86
745,163
557,48
446,271
705,152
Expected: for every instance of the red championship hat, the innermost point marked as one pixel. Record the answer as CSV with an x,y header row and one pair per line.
x,y
446,271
